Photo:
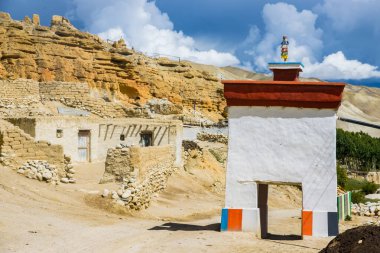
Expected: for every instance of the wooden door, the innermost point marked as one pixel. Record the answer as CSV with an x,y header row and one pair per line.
x,y
84,145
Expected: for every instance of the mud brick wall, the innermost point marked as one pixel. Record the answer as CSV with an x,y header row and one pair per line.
x,y
67,90
148,158
18,93
20,147
118,165
136,162
151,166
77,95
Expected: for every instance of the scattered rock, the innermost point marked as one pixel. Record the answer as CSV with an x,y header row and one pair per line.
x,y
47,175
40,170
69,170
105,193
369,209
64,180
138,195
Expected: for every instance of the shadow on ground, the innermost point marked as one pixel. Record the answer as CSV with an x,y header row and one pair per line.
x,y
283,237
171,226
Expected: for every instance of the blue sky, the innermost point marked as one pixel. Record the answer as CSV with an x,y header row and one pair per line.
x,y
335,39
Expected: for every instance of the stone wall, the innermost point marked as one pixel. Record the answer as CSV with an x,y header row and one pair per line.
x,y
24,97
18,93
148,158
118,165
58,90
136,162
16,147
77,95
143,171
138,196
212,137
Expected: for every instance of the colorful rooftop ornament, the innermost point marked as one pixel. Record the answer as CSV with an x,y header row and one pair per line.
x,y
284,48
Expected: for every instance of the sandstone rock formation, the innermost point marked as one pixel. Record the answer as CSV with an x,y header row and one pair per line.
x,y
63,53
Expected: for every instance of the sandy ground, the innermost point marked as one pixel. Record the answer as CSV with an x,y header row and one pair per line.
x,y
38,217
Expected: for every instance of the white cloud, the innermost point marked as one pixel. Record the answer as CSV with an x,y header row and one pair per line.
x,y
306,43
145,28
112,34
336,66
347,15
284,19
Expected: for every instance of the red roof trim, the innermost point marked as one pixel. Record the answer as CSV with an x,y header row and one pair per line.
x,y
283,93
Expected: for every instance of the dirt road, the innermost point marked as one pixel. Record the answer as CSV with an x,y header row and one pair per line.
x,y
38,217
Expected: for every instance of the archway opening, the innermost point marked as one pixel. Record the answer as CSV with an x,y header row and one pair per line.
x,y
280,210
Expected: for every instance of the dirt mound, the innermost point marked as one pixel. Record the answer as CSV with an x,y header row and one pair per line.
x,y
360,239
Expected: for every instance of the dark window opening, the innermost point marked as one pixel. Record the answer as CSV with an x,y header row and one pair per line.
x,y
122,137
146,138
59,133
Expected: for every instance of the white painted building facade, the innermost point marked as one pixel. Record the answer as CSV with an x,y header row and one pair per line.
x,y
281,133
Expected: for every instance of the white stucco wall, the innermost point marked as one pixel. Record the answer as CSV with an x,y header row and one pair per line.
x,y
282,144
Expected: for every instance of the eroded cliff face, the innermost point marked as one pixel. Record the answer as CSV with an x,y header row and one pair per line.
x,y
63,53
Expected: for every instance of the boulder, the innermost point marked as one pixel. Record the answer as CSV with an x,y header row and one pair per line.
x,y
64,180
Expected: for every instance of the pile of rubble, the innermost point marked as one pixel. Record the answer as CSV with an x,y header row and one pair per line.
x,y
138,196
368,209
40,170
212,137
69,170
356,240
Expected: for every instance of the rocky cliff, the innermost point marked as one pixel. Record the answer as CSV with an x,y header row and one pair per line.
x,y
63,53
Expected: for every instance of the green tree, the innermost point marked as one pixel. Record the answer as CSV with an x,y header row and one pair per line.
x,y
357,151
342,176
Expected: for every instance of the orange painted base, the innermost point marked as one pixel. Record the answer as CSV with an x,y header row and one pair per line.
x,y
307,222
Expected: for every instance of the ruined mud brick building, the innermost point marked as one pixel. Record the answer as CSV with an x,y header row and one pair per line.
x,y
18,146
281,132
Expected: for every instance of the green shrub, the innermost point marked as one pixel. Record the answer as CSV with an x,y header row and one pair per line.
x,y
369,188
357,197
354,184
342,176
348,218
